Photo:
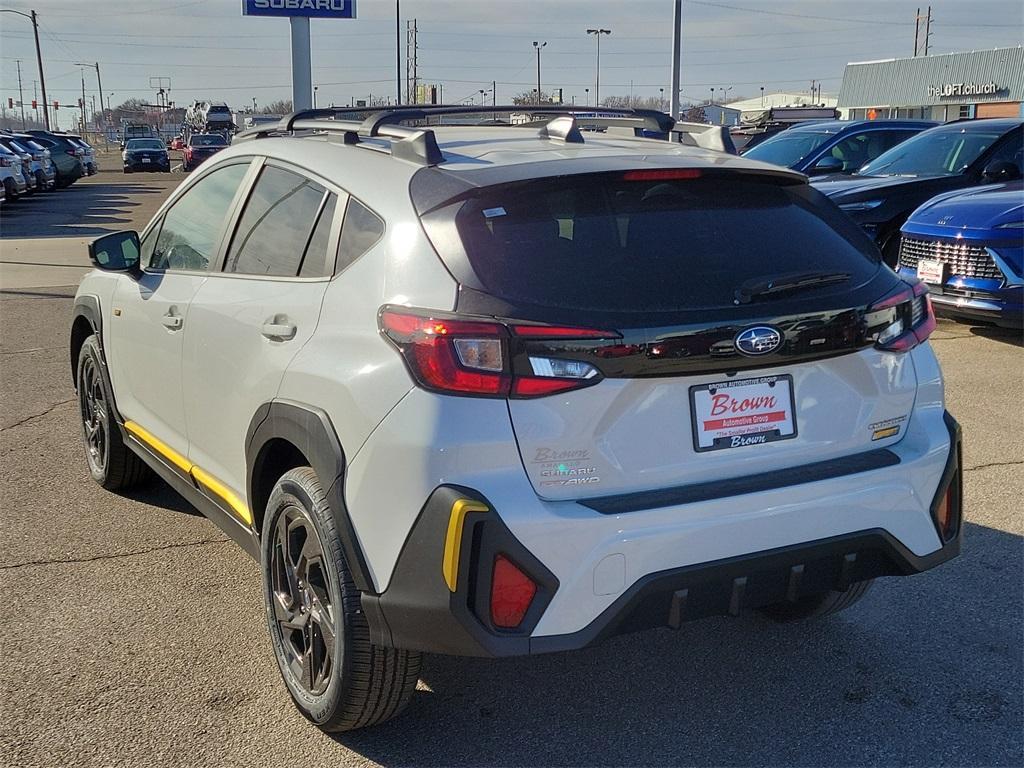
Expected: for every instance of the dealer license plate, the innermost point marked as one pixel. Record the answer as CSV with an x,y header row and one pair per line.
x,y
931,271
731,414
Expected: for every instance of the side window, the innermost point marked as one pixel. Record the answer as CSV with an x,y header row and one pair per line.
x,y
852,151
191,229
276,225
1010,151
317,262
149,242
360,232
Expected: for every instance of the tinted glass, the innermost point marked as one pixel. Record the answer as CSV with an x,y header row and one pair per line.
x,y
144,144
787,148
276,225
318,262
602,243
15,147
192,227
360,232
938,152
854,151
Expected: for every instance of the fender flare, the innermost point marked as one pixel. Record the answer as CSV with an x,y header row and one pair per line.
x,y
310,430
88,306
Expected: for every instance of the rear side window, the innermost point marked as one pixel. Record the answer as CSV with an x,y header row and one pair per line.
x,y
605,243
277,225
360,232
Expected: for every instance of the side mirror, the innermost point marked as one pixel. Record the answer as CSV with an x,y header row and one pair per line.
x,y
117,252
1001,170
827,164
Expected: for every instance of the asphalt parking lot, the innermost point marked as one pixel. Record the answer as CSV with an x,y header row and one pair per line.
x,y
133,630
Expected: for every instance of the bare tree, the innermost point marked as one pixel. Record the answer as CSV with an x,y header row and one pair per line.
x,y
280,107
695,114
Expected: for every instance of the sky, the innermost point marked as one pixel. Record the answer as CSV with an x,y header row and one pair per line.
x,y
209,51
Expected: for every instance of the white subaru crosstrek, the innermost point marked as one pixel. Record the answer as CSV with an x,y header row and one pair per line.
x,y
494,390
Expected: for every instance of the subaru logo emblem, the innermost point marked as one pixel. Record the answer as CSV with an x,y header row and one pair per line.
x,y
759,340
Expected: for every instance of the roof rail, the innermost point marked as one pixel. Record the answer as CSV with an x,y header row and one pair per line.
x,y
419,145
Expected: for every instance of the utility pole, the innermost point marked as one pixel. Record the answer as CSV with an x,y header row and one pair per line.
x,y
537,46
398,52
411,73
927,30
677,44
917,28
39,58
597,85
21,97
83,101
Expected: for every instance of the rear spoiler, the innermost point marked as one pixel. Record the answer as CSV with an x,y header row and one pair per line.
x,y
714,137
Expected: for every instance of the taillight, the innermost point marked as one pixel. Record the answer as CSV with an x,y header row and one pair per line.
x,y
463,356
71,152
5,162
903,320
662,174
512,592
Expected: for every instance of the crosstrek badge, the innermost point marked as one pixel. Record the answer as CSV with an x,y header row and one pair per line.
x,y
733,414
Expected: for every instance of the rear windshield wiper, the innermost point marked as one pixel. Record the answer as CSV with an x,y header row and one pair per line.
x,y
787,283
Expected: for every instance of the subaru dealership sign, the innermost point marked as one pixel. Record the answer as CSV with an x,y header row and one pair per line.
x,y
323,9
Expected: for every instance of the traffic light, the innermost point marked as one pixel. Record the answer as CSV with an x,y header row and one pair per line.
x,y
35,104
10,103
56,105
79,103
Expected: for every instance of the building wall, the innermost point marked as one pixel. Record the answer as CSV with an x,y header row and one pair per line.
x,y
943,87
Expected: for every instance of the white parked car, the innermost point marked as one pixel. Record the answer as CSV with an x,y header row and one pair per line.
x,y
499,390
12,174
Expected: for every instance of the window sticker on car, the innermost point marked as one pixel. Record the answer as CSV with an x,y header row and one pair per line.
x,y
490,213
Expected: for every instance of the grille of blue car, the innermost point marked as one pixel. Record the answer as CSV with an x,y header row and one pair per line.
x,y
964,259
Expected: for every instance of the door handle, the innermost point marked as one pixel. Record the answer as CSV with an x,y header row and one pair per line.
x,y
171,321
279,331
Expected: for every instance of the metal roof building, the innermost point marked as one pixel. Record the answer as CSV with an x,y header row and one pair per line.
x,y
947,86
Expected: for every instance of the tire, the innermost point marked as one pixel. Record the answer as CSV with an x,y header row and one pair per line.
x,y
817,606
10,191
341,685
111,463
40,181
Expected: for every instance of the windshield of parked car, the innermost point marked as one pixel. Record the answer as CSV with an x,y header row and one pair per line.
x,y
144,144
788,148
207,140
937,152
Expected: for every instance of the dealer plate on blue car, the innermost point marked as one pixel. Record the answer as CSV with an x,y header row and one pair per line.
x,y
731,414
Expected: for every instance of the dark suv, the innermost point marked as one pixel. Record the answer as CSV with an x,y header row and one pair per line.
x,y
66,155
882,194
836,146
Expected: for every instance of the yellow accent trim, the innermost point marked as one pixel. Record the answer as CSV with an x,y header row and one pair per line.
x,y
881,434
159,446
215,486
208,481
453,539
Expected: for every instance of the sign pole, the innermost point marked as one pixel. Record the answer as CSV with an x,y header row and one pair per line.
x,y
302,65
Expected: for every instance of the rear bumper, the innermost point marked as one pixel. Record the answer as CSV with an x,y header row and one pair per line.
x,y
155,165
419,611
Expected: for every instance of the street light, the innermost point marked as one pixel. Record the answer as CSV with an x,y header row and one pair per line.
x,y
661,98
315,89
31,16
537,46
597,85
587,91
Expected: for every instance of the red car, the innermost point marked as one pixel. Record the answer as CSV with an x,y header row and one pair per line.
x,y
201,146
178,142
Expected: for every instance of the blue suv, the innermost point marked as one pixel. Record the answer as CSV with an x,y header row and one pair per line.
x,y
835,146
968,246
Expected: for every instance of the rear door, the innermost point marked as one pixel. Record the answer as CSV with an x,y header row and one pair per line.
x,y
255,312
704,382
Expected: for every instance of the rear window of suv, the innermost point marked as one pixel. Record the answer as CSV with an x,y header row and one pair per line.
x,y
611,244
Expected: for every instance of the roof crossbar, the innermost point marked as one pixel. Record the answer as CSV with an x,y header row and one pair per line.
x,y
418,144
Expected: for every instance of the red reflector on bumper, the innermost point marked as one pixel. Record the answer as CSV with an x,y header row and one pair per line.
x,y
512,592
